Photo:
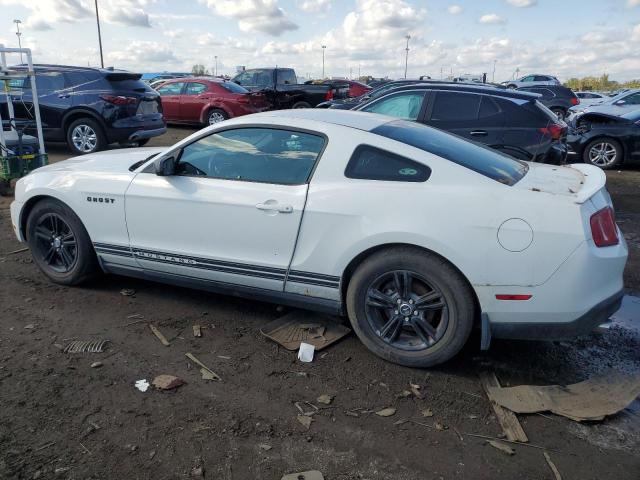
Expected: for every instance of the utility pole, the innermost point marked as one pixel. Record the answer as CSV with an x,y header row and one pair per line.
x,y
406,57
215,72
18,34
324,47
493,76
99,35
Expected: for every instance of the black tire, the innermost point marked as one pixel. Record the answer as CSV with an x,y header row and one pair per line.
x,y
603,152
453,323
85,135
42,218
561,113
215,115
301,105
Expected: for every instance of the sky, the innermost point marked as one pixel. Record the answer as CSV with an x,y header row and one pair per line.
x,y
565,38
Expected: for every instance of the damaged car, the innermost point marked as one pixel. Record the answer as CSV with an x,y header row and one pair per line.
x,y
604,140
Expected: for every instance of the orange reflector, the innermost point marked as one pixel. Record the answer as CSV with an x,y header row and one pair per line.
x,y
506,296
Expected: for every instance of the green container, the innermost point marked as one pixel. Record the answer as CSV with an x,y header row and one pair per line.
x,y
16,166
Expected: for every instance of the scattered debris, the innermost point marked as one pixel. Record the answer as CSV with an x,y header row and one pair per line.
x,y
85,448
20,250
308,413
197,472
415,389
167,382
142,385
508,421
404,394
325,399
265,447
46,445
552,466
350,413
159,334
96,365
486,437
137,316
302,326
86,346
502,447
197,331
400,422
592,399
305,420
305,354
386,412
207,373
224,357
427,412
310,475
440,427
30,326
127,292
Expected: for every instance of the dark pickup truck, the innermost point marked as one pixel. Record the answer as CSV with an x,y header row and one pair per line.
x,y
281,88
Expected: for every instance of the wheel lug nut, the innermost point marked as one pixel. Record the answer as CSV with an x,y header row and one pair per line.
x,y
399,301
411,301
415,313
395,311
406,319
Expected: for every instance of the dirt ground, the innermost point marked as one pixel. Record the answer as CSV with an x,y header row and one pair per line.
x,y
61,418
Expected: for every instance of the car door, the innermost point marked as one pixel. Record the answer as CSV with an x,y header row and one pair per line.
x,y
192,101
170,97
232,210
629,103
469,115
407,104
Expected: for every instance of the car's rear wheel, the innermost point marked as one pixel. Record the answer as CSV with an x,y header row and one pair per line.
x,y
410,307
301,105
605,153
561,113
85,136
216,116
59,243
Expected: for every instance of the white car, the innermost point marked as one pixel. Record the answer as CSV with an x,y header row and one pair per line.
x,y
532,80
417,235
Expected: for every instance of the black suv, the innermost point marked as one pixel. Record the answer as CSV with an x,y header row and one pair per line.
x,y
89,108
510,121
556,98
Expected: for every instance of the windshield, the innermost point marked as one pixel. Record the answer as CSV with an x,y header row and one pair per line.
x,y
476,157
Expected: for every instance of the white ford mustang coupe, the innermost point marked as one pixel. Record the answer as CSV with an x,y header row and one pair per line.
x,y
415,234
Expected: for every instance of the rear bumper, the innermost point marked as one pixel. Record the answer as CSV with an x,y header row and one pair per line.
x,y
582,325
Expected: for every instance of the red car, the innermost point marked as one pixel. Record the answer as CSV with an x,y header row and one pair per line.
x,y
355,88
207,100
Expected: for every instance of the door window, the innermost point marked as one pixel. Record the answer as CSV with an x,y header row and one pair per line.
x,y
195,88
171,89
286,77
370,163
404,105
633,99
455,106
527,79
253,155
540,78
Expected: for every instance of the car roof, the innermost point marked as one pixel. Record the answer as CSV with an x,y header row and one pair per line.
x,y
346,118
465,87
72,68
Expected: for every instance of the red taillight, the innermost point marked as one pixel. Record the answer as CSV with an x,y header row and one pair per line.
x,y
329,95
509,296
555,131
575,101
119,100
603,228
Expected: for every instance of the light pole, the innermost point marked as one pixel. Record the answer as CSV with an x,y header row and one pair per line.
x,y
18,34
406,57
215,74
99,35
324,47
493,76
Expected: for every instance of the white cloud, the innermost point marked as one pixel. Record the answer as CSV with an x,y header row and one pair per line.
x,y
314,6
141,52
526,3
454,9
491,18
633,3
126,12
635,34
254,15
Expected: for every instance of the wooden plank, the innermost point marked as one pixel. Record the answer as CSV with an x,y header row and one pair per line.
x,y
507,419
159,334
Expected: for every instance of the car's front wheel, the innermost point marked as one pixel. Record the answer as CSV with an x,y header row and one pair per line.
x,y
605,153
85,136
216,116
59,243
410,307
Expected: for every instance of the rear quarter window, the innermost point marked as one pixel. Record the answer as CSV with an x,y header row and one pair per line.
x,y
476,157
371,163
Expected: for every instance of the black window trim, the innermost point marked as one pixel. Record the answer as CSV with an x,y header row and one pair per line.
x,y
363,146
177,152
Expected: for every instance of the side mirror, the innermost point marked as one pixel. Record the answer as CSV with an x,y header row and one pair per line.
x,y
165,166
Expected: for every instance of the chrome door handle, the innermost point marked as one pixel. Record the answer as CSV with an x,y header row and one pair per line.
x,y
478,133
274,207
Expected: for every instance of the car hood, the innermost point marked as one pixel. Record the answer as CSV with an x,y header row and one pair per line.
x,y
109,161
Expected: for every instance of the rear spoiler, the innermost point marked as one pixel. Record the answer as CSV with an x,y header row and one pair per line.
x,y
121,76
594,179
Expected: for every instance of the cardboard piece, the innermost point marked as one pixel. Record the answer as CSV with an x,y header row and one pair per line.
x,y
305,327
592,399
